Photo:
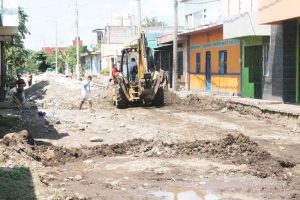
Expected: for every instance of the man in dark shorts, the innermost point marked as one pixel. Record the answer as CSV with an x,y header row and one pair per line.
x,y
20,83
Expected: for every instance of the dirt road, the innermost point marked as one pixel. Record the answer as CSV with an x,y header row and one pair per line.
x,y
173,152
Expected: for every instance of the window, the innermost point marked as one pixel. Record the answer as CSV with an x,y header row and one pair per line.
x,y
266,70
189,21
180,64
198,60
222,62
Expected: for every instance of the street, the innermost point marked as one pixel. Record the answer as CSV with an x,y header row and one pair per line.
x,y
173,152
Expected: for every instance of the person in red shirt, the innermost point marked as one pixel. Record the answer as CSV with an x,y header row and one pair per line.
x,y
114,72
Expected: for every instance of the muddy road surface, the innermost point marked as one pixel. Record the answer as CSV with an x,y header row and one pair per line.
x,y
197,151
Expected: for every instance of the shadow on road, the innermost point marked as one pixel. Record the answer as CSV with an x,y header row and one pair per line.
x,y
37,91
30,117
40,124
16,183
10,122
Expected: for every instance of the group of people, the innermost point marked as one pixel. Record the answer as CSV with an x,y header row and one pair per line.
x,y
85,85
133,70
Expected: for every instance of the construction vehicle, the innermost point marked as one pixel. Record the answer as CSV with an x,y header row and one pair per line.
x,y
138,81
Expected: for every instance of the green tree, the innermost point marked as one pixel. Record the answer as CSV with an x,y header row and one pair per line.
x,y
41,59
30,63
67,59
153,22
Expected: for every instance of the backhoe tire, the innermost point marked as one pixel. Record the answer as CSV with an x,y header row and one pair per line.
x,y
121,101
159,99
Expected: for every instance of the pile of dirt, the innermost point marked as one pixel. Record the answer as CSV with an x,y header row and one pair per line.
x,y
17,148
237,149
56,97
103,97
192,101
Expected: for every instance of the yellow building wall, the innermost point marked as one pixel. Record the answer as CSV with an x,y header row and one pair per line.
x,y
197,82
227,83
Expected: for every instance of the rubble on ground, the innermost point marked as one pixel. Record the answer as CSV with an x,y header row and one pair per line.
x,y
237,148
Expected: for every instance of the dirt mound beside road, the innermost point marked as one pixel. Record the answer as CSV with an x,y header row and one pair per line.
x,y
193,101
236,149
17,147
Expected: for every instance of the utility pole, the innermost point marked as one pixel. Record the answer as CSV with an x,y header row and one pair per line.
x,y
228,7
56,50
139,9
175,46
77,42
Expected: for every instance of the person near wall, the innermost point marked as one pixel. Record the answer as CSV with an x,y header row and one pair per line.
x,y
20,84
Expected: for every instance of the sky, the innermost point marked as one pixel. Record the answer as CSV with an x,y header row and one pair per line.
x,y
45,14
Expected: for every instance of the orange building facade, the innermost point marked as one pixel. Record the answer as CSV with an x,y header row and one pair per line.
x,y
275,11
214,64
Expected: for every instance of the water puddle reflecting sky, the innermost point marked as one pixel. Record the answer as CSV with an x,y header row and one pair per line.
x,y
188,195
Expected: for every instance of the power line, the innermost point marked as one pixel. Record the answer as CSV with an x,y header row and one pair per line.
x,y
202,2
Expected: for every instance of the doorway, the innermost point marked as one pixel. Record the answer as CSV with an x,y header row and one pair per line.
x,y
208,71
253,64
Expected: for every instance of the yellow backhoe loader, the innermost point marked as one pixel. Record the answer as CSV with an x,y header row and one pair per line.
x,y
138,81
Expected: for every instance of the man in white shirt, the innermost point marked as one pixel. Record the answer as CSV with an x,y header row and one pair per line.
x,y
86,92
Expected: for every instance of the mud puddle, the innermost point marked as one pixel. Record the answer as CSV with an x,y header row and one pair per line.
x,y
128,177
197,195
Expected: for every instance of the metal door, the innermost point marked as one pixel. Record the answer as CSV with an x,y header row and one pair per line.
x,y
208,71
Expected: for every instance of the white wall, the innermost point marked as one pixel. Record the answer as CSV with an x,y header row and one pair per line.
x,y
241,19
245,24
119,34
235,7
10,13
111,49
203,12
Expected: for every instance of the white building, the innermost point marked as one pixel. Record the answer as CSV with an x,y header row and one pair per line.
x,y
121,31
241,19
9,23
201,13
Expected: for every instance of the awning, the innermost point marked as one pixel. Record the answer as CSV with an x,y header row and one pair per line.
x,y
164,45
203,29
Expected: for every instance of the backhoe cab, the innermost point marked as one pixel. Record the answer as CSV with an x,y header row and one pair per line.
x,y
138,80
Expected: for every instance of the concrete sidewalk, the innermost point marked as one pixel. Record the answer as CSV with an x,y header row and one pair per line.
x,y
265,105
273,106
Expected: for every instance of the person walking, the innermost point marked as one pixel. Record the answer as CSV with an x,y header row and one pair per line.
x,y
20,83
86,93
29,80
